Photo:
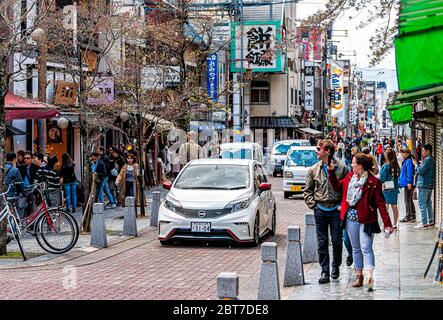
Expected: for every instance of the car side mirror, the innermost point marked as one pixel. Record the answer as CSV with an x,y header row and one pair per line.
x,y
264,187
167,185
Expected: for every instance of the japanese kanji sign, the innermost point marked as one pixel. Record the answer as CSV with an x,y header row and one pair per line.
x,y
105,89
256,47
212,76
66,93
309,86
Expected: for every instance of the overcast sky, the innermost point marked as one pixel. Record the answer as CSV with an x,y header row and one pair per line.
x,y
358,40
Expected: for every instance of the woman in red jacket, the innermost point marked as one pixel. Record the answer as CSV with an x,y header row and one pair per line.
x,y
362,196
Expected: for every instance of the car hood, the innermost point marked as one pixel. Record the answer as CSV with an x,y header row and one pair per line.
x,y
298,172
207,199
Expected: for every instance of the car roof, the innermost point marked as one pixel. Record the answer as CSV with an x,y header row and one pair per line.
x,y
239,145
302,148
244,162
292,141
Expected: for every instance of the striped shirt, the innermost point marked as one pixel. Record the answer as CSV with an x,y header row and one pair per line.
x,y
50,176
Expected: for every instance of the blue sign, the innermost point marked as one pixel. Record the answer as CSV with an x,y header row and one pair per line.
x,y
212,76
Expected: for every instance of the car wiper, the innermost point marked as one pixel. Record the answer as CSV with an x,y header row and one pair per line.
x,y
204,188
237,188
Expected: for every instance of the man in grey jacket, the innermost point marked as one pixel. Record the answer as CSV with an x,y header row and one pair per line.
x,y
320,196
425,184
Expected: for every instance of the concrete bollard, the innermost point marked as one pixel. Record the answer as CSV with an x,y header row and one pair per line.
x,y
130,222
98,230
227,286
310,247
269,286
155,208
294,274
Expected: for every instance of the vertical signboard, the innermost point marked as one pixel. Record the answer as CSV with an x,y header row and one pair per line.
x,y
212,76
337,92
309,86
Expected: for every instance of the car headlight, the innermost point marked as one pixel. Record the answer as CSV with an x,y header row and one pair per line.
x,y
288,174
173,205
238,205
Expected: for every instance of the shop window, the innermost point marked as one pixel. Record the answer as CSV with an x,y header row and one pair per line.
x,y
260,92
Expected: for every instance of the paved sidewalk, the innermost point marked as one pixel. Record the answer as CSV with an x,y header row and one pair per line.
x,y
400,264
113,223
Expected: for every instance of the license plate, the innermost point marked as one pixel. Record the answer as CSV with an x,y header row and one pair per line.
x,y
296,188
200,227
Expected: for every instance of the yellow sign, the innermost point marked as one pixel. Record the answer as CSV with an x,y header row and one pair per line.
x,y
66,93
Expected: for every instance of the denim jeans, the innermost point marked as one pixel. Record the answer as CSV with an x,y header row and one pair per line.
x,y
323,221
347,242
425,205
71,195
361,245
104,188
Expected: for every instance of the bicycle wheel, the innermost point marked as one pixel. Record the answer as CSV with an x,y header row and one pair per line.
x,y
59,233
14,229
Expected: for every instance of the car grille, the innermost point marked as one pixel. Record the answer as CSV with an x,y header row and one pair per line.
x,y
210,213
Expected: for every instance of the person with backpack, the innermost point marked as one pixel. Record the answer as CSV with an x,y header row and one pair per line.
x,y
98,167
12,175
67,173
104,187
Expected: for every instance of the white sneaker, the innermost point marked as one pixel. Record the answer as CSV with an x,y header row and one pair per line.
x,y
419,226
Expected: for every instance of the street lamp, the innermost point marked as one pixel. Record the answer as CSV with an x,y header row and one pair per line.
x,y
38,35
124,116
62,123
174,61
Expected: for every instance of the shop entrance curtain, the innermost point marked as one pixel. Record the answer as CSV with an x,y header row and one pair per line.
x,y
401,113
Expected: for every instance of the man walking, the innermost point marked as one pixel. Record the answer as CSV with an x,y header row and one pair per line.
x,y
28,171
320,196
98,167
425,184
190,150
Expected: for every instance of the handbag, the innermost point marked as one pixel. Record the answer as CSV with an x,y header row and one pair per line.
x,y
388,185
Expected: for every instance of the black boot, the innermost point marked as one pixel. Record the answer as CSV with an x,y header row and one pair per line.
x,y
324,278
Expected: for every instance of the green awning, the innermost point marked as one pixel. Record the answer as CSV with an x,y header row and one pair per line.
x,y
412,96
401,113
419,45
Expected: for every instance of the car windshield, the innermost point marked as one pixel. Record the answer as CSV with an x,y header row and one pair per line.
x,y
214,176
236,154
282,148
305,158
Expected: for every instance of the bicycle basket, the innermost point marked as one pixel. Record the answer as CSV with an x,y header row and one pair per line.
x,y
54,197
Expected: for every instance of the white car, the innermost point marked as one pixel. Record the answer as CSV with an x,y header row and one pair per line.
x,y
242,150
279,152
218,199
299,160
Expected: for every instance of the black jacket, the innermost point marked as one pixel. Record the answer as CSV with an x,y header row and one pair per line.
x,y
101,170
32,172
67,173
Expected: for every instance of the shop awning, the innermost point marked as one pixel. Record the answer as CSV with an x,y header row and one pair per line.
x,y
310,131
404,97
273,122
17,107
13,131
401,113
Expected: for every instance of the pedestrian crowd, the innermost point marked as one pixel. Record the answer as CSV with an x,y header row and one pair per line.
x,y
354,183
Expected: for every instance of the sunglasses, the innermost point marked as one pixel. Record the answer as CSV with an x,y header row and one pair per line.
x,y
27,158
318,148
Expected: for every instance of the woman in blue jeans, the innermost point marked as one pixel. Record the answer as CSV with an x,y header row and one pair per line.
x,y
67,173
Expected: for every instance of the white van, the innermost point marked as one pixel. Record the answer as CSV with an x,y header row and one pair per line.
x,y
242,150
279,152
295,170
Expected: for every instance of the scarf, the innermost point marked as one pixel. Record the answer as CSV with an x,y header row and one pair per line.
x,y
355,188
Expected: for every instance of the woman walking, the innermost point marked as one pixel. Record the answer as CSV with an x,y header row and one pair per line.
x,y
67,173
362,196
389,174
127,180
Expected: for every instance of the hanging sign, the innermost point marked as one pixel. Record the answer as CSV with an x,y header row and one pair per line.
x,y
212,76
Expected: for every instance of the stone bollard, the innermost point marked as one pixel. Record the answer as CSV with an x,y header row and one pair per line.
x,y
130,222
98,230
227,286
310,247
155,208
294,274
269,286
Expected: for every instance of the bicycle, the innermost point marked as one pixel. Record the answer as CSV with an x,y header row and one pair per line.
x,y
7,213
56,230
